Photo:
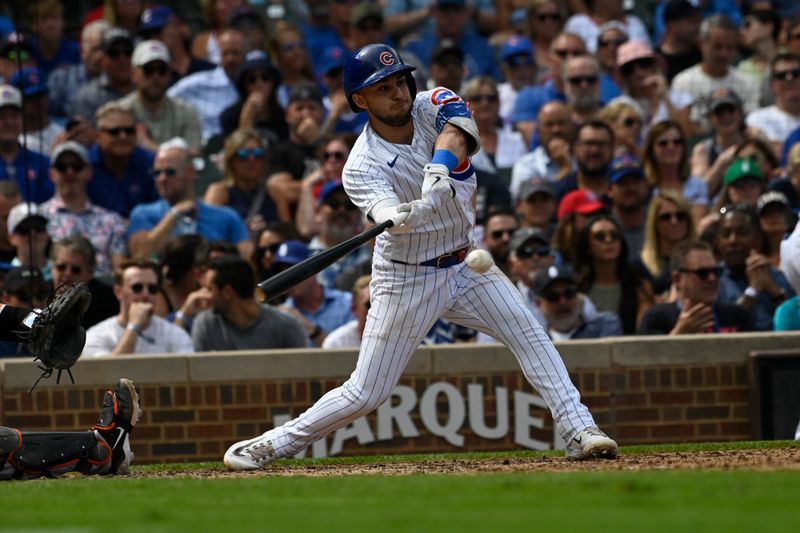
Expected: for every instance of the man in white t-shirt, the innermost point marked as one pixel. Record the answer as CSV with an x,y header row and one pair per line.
x,y
349,334
136,329
779,120
718,46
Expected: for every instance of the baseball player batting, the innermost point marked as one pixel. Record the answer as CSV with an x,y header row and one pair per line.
x,y
410,165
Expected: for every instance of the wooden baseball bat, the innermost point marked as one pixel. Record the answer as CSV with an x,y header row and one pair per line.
x,y
278,284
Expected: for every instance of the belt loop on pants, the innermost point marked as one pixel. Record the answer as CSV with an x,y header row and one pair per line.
x,y
443,261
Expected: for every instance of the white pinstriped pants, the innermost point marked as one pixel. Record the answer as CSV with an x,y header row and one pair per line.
x,y
406,301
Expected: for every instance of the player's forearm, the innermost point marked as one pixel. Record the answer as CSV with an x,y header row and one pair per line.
x,y
453,140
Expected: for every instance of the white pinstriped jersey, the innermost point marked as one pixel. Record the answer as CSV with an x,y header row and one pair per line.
x,y
377,170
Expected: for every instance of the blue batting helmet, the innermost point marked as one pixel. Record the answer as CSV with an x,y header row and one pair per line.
x,y
371,64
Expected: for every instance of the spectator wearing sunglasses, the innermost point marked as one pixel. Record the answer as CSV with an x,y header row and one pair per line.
x,y
115,79
15,52
588,24
562,308
669,223
160,117
581,78
610,36
778,121
519,70
696,280
71,212
27,231
626,119
73,261
333,153
501,223
179,212
243,187
641,72
121,176
748,277
605,275
136,329
265,245
257,107
718,46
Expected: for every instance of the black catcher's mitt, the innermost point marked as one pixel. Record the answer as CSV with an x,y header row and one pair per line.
x,y
56,338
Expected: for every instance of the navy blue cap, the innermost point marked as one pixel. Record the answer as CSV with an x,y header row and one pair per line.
x,y
625,165
333,58
445,3
329,188
30,81
292,252
156,17
547,276
514,46
257,60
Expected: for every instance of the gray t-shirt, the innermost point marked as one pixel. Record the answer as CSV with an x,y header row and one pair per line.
x,y
273,329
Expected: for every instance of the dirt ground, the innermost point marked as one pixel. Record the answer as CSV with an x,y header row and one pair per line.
x,y
763,459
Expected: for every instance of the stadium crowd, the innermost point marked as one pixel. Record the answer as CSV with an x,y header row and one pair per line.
x,y
639,170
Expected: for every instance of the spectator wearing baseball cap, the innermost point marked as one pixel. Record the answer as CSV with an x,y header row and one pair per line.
x,y
163,24
630,196
574,211
536,205
743,183
15,52
257,107
777,220
163,117
320,309
27,231
40,130
22,287
519,70
530,253
677,43
115,79
27,167
70,212
561,307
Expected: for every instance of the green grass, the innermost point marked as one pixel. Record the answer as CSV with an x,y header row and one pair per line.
x,y
673,501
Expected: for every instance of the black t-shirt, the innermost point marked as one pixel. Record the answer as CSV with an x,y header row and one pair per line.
x,y
679,62
661,318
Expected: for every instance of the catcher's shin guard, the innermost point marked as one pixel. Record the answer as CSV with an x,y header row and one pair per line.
x,y
51,454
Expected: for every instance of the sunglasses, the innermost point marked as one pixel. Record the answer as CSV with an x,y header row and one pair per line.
x,y
526,252
338,156
645,63
564,54
630,122
783,75
548,17
724,109
169,171
288,47
65,166
75,270
607,236
114,53
338,204
257,76
703,273
155,67
247,153
28,229
747,182
137,288
581,80
663,143
677,216
605,43
119,130
490,98
22,55
498,233
555,296
520,60
262,251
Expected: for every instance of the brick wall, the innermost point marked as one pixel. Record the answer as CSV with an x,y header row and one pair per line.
x,y
648,392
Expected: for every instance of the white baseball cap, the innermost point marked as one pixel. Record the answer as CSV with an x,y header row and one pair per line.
x,y
10,95
22,212
147,51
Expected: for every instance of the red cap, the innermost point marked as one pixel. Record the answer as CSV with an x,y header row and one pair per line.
x,y
581,201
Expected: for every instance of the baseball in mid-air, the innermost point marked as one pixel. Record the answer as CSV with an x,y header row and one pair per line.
x,y
479,260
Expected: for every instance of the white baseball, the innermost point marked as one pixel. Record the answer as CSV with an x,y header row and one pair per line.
x,y
480,261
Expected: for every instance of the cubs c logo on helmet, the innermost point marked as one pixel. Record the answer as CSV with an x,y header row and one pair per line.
x,y
442,96
387,58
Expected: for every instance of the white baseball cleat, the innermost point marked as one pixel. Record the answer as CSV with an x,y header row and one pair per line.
x,y
250,454
591,443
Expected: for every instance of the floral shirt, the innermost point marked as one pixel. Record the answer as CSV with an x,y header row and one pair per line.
x,y
105,229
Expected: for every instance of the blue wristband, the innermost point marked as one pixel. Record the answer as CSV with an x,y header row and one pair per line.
x,y
446,158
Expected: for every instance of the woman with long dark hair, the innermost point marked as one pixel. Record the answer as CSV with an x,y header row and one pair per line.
x,y
606,277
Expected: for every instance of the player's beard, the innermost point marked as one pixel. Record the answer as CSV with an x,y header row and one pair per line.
x,y
396,121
